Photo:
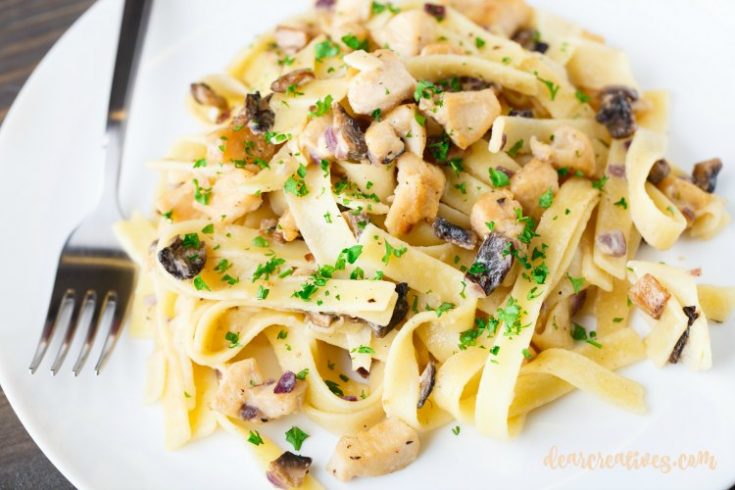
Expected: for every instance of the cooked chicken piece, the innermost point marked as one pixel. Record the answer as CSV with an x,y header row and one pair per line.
x,y
403,120
287,227
314,140
649,295
532,181
496,207
236,379
383,144
441,48
502,16
420,186
570,148
348,11
241,393
381,87
288,470
226,199
466,116
408,32
176,195
291,38
689,198
386,447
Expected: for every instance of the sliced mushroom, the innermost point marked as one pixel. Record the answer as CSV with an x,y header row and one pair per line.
x,y
612,243
660,170
183,259
492,262
323,321
449,232
692,315
435,10
384,448
350,137
705,174
288,470
399,312
529,39
260,116
649,295
527,113
496,211
356,221
204,95
426,383
417,194
293,78
616,110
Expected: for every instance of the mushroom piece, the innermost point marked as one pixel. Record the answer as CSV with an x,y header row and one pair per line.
x,y
357,221
408,32
659,171
496,210
612,243
426,383
649,295
184,258
349,136
529,40
449,232
293,78
466,116
383,81
435,10
705,174
389,446
399,312
417,194
291,38
323,321
616,110
288,470
492,262
260,116
692,315
204,95
532,181
527,113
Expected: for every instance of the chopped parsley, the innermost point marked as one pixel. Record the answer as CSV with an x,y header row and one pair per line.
x,y
200,285
546,199
599,184
376,114
513,151
302,374
168,215
295,184
426,90
621,203
550,86
322,106
443,308
222,265
456,165
209,229
349,255
440,148
262,293
334,387
268,268
582,97
455,430
379,8
499,178
254,438
202,162
578,332
274,138
420,118
293,90
202,195
577,282
528,232
233,338
259,241
191,240
390,250
527,354
296,437
306,292
326,49
363,349
479,42
353,42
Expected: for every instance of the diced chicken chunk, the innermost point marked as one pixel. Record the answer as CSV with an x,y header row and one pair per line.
x,y
287,227
403,120
496,210
420,186
382,87
532,181
313,140
347,11
383,144
466,116
291,38
570,148
386,447
241,393
649,295
502,16
408,32
227,202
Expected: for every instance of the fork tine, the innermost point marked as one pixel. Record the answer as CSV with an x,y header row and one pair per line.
x,y
71,328
56,307
117,321
92,329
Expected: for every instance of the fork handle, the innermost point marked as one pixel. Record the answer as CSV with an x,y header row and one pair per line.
x,y
129,48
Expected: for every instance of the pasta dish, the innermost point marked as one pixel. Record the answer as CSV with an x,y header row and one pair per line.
x,y
401,217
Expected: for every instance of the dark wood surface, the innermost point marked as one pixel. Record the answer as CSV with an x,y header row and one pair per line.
x,y
28,28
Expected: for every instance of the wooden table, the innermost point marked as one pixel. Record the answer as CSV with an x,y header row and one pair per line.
x,y
28,28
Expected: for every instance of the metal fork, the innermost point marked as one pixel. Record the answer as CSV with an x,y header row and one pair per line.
x,y
95,277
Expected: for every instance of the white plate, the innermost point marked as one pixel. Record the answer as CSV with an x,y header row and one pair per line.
x,y
96,430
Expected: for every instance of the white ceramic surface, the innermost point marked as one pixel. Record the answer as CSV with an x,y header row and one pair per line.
x,y
96,430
